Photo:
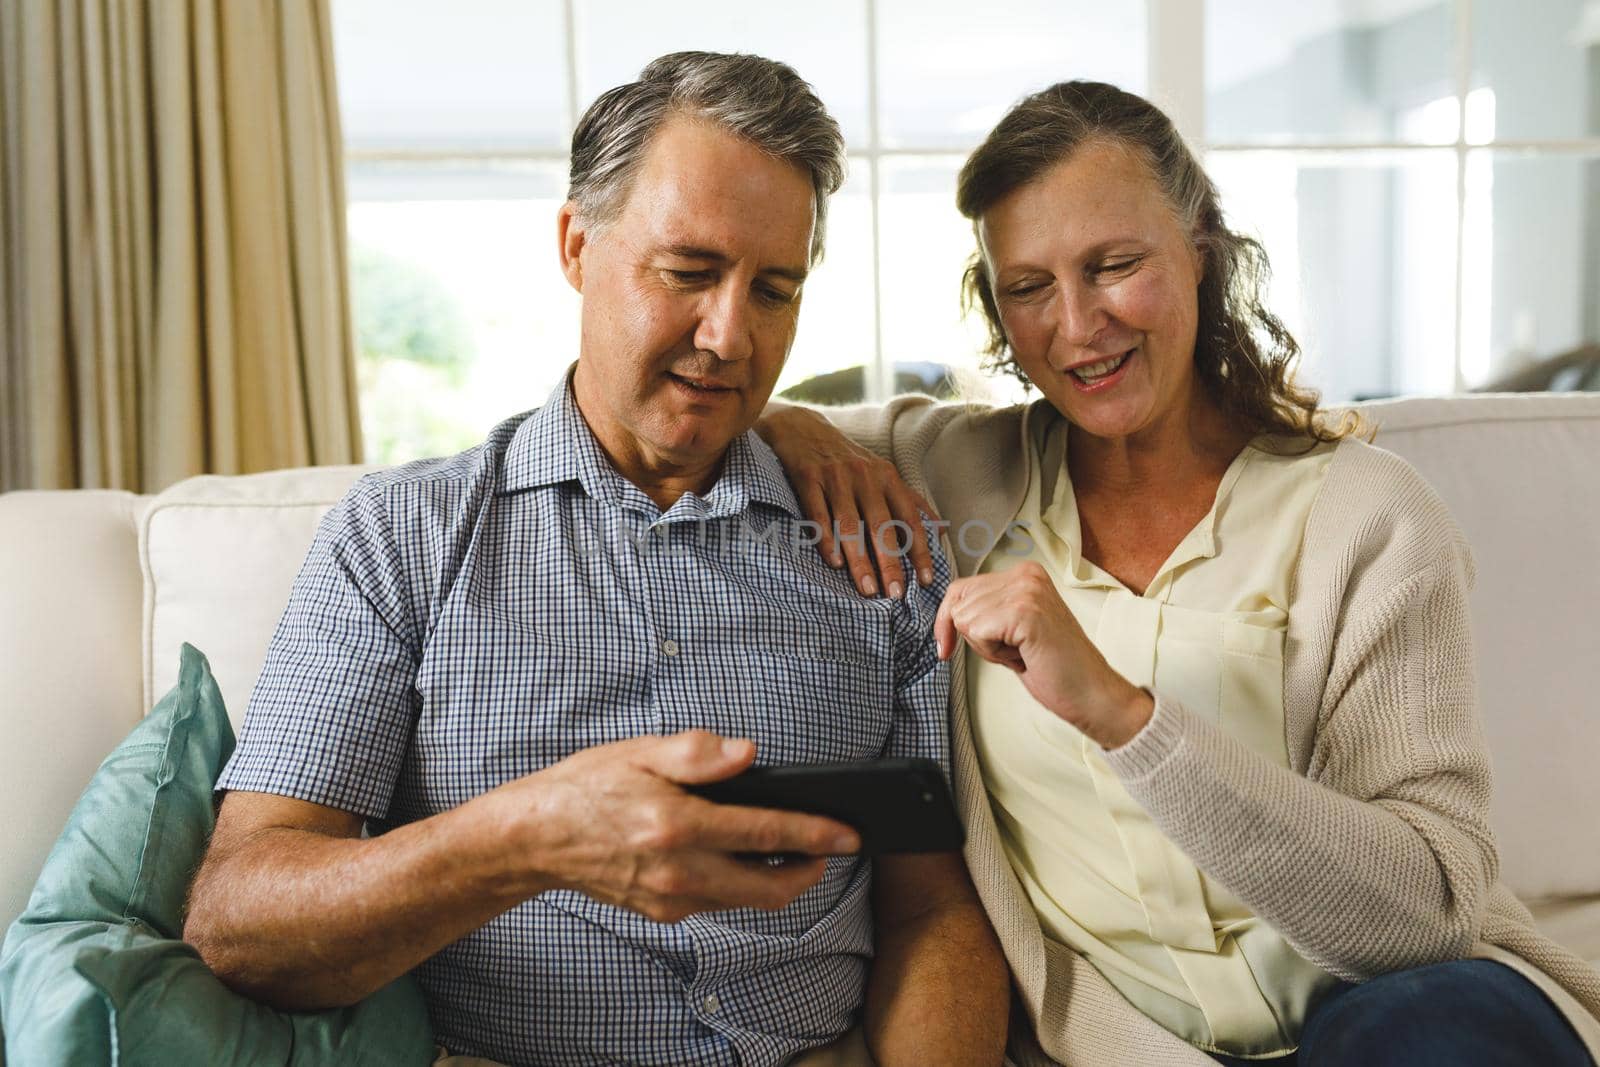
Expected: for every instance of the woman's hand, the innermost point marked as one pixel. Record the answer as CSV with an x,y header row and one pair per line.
x,y
838,484
1017,619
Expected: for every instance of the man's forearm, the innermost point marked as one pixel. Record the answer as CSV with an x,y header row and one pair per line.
x,y
939,992
310,921
292,909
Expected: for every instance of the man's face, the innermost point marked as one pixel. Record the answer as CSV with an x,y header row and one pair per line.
x,y
690,296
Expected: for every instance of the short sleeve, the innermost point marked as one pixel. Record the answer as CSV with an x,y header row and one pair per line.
x,y
921,727
333,712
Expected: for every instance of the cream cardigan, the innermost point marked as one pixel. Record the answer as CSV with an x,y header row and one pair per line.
x,y
1373,853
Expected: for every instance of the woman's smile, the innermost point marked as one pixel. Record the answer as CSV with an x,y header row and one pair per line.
x,y
1102,374
1107,293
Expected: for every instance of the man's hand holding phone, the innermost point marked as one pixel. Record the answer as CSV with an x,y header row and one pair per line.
x,y
616,823
896,805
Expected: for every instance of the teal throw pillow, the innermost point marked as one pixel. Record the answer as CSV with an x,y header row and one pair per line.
x,y
95,971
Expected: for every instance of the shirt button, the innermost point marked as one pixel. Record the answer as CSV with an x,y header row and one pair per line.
x,y
669,647
711,1005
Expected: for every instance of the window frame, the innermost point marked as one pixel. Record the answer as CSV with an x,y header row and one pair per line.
x,y
1175,39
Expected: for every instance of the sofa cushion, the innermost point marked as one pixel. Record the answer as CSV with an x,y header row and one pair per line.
x,y
219,555
1518,473
95,972
69,583
1573,923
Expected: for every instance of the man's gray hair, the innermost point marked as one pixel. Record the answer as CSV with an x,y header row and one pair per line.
x,y
759,100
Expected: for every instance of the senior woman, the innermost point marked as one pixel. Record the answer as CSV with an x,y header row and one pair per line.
x,y
1215,733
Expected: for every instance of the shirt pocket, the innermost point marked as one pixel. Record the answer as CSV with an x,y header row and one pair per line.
x,y
502,699
815,702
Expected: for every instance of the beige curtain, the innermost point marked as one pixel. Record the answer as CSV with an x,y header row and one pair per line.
x,y
172,224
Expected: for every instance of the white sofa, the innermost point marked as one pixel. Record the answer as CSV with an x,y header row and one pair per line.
x,y
99,588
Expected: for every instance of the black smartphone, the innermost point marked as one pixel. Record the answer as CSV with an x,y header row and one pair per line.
x,y
896,805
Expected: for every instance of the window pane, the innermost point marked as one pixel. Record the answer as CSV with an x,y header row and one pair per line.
x,y
826,42
1363,257
462,314
1538,59
836,314
948,70
1533,256
468,74
926,245
1285,73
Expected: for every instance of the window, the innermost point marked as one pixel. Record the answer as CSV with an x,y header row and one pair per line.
x,y
1422,173
456,123
1425,175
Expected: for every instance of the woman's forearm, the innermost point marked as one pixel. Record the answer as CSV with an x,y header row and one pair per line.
x,y
1359,885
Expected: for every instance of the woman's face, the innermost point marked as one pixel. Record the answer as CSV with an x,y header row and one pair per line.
x,y
1096,284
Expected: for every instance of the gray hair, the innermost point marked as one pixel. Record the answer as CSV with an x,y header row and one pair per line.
x,y
759,100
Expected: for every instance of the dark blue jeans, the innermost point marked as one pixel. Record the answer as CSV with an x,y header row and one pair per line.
x,y
1466,1013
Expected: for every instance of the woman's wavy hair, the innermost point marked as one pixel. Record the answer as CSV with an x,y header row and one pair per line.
x,y
1244,355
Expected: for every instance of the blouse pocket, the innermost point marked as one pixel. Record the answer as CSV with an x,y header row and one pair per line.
x,y
1250,700
1227,667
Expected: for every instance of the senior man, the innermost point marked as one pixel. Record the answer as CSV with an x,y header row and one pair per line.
x,y
508,664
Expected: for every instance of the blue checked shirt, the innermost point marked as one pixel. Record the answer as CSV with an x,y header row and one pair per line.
x,y
462,622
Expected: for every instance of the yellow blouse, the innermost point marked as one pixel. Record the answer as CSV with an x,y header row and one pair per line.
x,y
1208,631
